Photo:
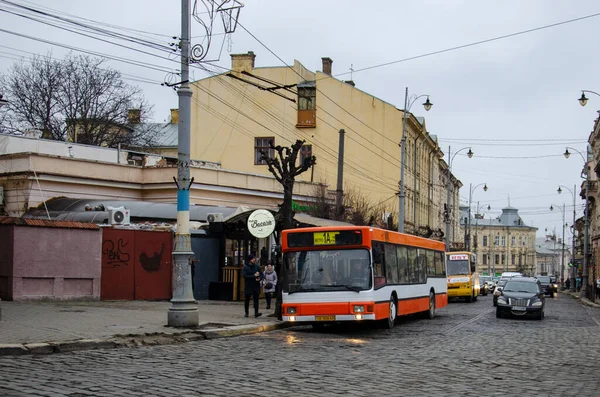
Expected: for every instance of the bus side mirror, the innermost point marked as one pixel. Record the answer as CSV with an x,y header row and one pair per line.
x,y
472,268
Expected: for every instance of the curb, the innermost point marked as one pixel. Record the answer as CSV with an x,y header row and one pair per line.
x,y
584,301
137,340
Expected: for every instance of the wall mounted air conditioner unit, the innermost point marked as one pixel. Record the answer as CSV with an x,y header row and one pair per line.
x,y
118,216
210,218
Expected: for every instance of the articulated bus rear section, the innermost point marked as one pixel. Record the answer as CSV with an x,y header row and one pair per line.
x,y
356,274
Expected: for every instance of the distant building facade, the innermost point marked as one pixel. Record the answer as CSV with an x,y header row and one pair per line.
x,y
502,244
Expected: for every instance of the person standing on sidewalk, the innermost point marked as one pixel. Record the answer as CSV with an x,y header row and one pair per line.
x,y
269,283
252,277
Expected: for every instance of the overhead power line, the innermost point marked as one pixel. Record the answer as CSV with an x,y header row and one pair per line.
x,y
474,43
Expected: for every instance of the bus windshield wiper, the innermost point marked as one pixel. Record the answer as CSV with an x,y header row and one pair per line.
x,y
350,287
300,289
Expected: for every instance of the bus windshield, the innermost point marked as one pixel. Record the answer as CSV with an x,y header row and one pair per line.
x,y
327,270
458,267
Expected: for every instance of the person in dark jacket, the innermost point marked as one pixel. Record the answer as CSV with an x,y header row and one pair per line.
x,y
252,277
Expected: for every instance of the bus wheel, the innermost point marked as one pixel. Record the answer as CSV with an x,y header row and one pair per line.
x,y
431,311
391,320
469,299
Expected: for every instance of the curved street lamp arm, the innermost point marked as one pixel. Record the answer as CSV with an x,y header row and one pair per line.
x,y
571,191
581,154
591,92
413,99
458,151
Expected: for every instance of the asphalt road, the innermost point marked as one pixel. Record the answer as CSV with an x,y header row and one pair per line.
x,y
464,351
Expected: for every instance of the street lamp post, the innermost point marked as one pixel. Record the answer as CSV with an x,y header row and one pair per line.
x,y
468,227
562,262
574,275
447,212
408,102
584,278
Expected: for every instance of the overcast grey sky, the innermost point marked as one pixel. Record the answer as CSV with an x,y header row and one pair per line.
x,y
514,101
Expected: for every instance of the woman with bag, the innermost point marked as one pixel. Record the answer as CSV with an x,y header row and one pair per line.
x,y
269,283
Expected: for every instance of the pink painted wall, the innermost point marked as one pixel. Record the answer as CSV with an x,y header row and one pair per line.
x,y
56,263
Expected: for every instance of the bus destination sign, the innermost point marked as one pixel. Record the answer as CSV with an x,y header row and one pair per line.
x,y
317,239
459,257
325,238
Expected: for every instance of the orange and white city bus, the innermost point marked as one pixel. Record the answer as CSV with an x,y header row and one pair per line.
x,y
360,273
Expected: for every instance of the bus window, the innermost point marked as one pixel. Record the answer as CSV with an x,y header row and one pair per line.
x,y
378,273
430,263
413,273
421,266
402,255
391,265
440,269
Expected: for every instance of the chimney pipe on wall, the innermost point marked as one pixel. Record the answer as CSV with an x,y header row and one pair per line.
x,y
327,65
243,62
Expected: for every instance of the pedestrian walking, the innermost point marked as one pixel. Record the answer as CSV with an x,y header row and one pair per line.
x,y
568,283
269,283
598,288
252,277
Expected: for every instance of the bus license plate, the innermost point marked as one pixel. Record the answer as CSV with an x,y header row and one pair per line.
x,y
325,318
519,308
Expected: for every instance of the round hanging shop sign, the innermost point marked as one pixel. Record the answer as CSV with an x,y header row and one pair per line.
x,y
261,223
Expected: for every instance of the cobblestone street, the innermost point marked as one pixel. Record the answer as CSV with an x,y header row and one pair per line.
x,y
465,350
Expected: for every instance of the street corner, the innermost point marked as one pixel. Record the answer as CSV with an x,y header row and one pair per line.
x,y
12,349
245,329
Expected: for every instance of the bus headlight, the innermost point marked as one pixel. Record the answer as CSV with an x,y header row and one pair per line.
x,y
358,317
291,310
292,318
359,309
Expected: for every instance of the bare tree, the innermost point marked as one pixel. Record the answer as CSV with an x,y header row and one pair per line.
x,y
77,99
322,206
284,168
283,165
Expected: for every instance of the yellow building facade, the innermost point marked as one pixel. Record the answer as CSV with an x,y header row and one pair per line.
x,y
238,113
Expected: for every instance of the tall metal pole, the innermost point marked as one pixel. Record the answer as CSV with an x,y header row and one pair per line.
x,y
573,268
468,239
448,203
339,193
184,309
562,263
476,230
402,164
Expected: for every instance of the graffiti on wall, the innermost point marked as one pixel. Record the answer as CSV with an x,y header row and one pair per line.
x,y
152,263
115,253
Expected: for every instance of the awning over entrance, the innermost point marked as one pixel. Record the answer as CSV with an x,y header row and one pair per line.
x,y
243,212
309,220
74,209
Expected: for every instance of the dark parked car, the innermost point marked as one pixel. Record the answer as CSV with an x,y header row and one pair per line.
x,y
522,296
549,286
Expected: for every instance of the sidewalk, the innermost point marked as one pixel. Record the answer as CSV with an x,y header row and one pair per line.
x,y
31,327
577,295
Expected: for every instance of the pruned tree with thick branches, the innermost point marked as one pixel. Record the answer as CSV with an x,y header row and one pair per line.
x,y
77,98
283,165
